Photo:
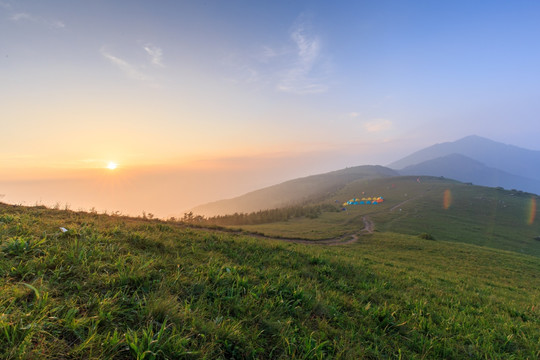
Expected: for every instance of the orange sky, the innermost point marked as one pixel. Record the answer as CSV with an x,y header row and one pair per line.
x,y
198,101
162,190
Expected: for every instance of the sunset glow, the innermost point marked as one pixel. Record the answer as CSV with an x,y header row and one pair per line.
x,y
185,94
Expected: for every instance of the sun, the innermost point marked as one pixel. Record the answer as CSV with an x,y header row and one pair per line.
x,y
112,165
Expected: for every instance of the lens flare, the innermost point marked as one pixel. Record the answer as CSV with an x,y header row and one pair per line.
x,y
447,199
532,211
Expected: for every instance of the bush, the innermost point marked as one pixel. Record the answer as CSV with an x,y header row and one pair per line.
x,y
426,236
6,218
16,246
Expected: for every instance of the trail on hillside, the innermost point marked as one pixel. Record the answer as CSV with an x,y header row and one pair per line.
x,y
369,227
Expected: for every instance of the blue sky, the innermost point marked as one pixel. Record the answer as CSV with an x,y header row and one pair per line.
x,y
312,85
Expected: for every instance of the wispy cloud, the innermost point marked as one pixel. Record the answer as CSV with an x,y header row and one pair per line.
x,y
244,72
378,125
138,69
57,24
5,5
156,55
130,70
296,65
21,16
267,54
301,76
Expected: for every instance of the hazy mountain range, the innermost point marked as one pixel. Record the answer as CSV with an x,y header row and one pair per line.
x,y
477,160
465,169
508,158
473,159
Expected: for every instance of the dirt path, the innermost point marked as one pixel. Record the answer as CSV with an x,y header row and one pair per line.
x,y
369,227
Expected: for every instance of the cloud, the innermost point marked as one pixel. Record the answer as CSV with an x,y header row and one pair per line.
x,y
267,54
308,46
353,115
156,55
302,76
297,64
378,125
21,16
56,24
128,69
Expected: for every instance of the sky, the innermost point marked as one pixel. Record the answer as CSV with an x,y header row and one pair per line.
x,y
202,100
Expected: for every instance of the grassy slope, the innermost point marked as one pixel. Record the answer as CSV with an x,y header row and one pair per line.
x,y
125,288
476,215
293,192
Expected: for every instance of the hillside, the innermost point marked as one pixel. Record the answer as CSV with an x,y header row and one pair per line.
x,y
293,192
491,217
462,168
472,159
124,288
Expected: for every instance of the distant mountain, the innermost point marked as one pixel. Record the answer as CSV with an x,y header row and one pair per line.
x,y
472,159
294,191
506,158
465,169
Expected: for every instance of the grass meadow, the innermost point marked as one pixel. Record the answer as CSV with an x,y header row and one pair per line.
x,y
122,288
477,215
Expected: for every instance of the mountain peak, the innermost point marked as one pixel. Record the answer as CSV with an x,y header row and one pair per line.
x,y
509,159
475,137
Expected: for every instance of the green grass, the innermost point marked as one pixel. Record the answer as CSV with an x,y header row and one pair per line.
x,y
123,288
328,225
477,215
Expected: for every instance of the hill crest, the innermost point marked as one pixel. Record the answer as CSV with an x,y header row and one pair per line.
x,y
293,192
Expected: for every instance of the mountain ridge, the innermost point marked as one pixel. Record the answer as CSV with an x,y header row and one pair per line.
x,y
508,158
472,159
293,192
462,168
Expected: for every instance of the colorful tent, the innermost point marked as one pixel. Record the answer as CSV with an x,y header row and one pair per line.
x,y
364,201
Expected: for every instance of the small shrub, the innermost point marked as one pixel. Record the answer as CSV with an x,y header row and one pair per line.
x,y
426,236
148,344
142,242
6,218
16,246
